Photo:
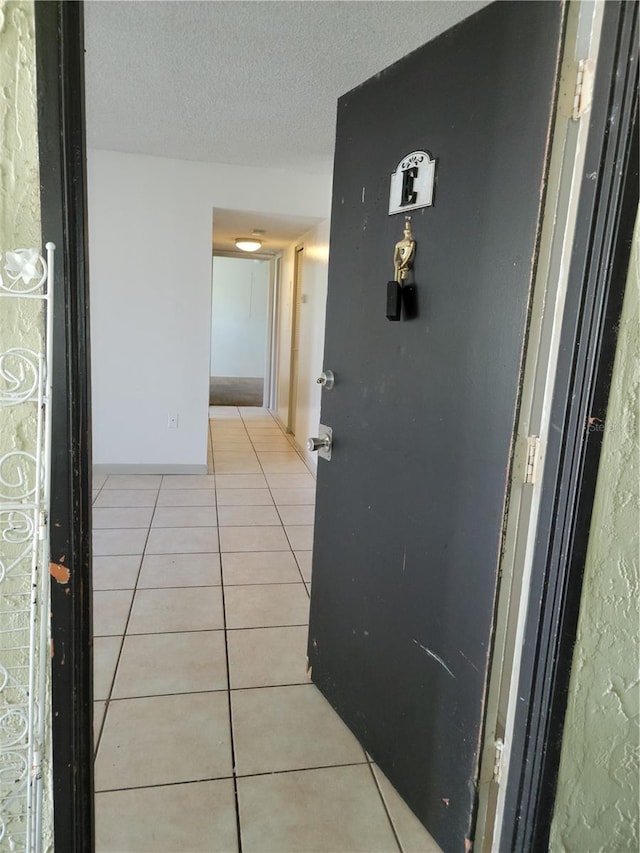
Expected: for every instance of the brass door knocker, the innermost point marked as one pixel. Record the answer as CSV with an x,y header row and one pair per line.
x,y
400,294
403,253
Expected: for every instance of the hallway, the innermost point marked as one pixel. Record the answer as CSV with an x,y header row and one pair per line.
x,y
207,728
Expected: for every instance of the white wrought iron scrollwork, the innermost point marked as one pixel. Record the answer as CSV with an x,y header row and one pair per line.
x,y
19,371
25,386
25,273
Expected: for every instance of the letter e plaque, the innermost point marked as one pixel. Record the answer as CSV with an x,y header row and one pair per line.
x,y
412,183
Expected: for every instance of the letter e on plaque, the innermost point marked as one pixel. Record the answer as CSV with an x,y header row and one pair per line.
x,y
412,183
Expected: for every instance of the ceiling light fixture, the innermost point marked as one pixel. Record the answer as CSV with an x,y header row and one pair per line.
x,y
248,244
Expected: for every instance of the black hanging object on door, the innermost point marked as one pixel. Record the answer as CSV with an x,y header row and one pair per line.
x,y
410,301
394,300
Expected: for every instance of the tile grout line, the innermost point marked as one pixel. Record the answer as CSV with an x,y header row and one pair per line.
x,y
264,474
195,585
235,777
246,776
384,803
226,652
203,630
206,691
94,498
291,443
126,625
306,588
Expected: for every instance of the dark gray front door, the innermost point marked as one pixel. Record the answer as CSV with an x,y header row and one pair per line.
x,y
410,509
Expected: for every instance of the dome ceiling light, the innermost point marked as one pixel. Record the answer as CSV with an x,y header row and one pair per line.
x,y
252,243
248,244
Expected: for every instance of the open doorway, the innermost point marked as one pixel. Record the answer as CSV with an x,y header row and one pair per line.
x,y
239,360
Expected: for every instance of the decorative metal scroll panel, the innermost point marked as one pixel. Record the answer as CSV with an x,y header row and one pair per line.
x,y
25,390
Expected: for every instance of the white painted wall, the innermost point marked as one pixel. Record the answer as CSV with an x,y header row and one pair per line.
x,y
312,320
239,316
150,272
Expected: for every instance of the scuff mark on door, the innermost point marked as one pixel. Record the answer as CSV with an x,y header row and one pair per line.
x,y
436,657
470,662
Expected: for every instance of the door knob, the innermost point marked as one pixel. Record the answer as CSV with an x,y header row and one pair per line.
x,y
326,379
322,443
318,443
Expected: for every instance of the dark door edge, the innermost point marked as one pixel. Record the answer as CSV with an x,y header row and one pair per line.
x,y
597,279
61,131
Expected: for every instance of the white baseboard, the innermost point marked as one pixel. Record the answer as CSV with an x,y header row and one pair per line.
x,y
149,469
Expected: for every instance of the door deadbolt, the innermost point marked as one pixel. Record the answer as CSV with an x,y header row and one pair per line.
x,y
326,379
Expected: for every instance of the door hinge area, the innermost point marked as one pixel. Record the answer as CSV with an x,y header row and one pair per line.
x,y
498,746
533,459
584,88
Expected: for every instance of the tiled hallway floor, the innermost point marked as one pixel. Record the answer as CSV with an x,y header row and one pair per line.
x,y
209,735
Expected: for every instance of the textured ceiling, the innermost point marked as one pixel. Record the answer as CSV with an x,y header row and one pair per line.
x,y
279,231
230,81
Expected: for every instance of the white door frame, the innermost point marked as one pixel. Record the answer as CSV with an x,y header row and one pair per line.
x,y
273,342
581,42
296,298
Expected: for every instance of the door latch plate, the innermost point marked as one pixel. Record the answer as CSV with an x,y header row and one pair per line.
x,y
327,433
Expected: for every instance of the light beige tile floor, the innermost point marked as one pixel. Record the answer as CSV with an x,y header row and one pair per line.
x,y
209,735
